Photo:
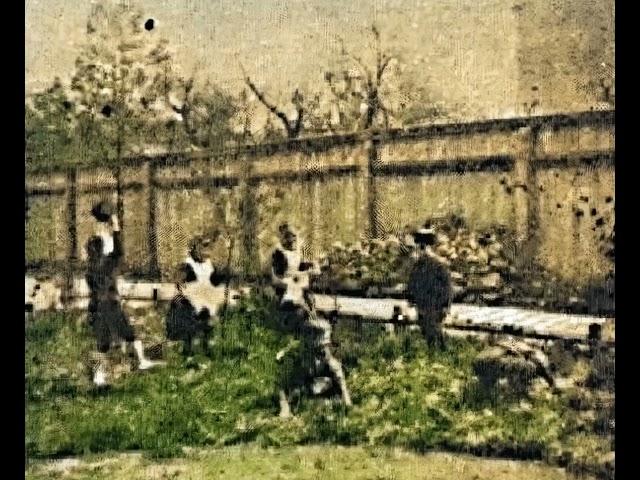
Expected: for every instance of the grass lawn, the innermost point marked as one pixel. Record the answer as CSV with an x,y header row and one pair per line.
x,y
404,396
298,463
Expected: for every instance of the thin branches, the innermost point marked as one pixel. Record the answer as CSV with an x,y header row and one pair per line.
x,y
292,127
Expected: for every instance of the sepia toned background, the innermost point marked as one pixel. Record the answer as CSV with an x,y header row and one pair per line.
x,y
476,60
354,122
482,58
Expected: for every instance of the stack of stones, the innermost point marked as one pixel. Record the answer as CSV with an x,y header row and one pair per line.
x,y
478,264
482,266
366,268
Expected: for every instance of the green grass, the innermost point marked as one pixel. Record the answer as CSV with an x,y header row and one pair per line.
x,y
299,463
404,396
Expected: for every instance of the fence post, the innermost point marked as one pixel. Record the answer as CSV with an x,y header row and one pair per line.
x,y
26,207
249,218
26,220
526,195
371,148
152,232
72,248
315,240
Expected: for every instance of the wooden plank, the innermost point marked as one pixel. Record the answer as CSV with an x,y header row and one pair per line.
x,y
375,309
461,317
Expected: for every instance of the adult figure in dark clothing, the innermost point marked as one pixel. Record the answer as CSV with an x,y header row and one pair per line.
x,y
106,316
429,287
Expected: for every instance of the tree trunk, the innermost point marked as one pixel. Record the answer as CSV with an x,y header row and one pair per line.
x,y
372,108
119,196
118,177
72,253
249,219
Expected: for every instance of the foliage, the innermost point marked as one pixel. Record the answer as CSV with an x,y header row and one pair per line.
x,y
124,80
48,126
404,395
127,96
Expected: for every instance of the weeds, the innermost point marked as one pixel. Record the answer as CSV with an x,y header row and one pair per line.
x,y
404,395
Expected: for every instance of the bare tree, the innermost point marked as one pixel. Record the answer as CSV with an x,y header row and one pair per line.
x,y
293,127
371,104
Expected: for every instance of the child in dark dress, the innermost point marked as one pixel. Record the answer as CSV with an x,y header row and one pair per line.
x,y
107,319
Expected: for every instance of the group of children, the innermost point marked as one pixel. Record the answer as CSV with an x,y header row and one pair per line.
x,y
202,291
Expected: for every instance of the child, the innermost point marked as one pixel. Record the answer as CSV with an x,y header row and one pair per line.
x,y
290,276
201,293
429,287
106,316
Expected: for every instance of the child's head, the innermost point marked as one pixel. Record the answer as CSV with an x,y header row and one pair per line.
x,y
197,248
288,237
103,211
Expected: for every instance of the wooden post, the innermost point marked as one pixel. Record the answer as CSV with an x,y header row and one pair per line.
x,y
249,218
26,220
72,248
315,237
119,198
526,195
152,232
26,215
595,332
372,194
26,206
532,185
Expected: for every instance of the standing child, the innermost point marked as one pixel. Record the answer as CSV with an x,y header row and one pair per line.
x,y
106,316
201,297
429,286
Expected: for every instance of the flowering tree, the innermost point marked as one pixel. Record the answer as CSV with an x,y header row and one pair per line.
x,y
125,88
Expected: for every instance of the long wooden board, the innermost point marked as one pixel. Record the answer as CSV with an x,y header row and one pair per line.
x,y
514,320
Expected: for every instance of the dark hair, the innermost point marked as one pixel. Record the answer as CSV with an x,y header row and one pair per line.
x,y
102,211
196,242
284,228
286,233
424,238
219,276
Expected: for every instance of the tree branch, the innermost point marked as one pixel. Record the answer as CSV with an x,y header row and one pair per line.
x,y
382,67
379,55
292,130
358,60
272,108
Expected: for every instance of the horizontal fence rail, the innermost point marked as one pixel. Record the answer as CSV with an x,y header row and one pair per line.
x,y
521,148
319,144
497,320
